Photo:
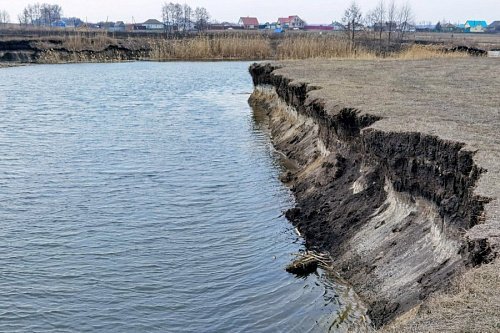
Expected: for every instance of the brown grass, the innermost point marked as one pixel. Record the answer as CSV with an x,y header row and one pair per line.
x,y
294,47
416,51
225,47
81,42
473,305
76,42
320,47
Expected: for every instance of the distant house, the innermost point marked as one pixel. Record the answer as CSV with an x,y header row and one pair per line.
x,y
475,26
425,27
338,26
59,23
119,26
249,23
291,22
72,22
448,27
494,27
386,26
407,28
153,24
267,25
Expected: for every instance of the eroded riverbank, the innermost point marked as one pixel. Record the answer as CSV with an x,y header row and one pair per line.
x,y
395,168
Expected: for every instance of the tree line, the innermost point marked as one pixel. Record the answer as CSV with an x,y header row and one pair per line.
x,y
182,17
393,20
40,14
4,17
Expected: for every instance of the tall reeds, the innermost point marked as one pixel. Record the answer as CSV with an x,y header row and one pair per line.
x,y
319,47
224,47
256,47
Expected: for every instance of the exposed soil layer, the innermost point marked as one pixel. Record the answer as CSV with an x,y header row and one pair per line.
x,y
395,168
51,51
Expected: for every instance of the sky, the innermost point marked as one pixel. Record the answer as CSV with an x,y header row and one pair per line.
x,y
312,11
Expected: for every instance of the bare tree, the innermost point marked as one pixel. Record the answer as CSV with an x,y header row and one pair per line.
x,y
391,18
405,17
188,13
201,16
177,14
40,15
23,18
371,20
167,13
49,14
352,18
439,27
4,17
379,13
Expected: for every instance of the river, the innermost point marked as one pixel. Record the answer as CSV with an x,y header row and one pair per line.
x,y
142,197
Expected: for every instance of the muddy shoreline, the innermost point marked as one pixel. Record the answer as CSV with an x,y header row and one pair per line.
x,y
399,207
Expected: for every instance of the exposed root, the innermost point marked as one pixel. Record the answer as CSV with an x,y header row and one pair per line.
x,y
307,262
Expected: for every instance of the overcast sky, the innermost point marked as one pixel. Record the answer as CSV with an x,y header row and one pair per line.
x,y
312,11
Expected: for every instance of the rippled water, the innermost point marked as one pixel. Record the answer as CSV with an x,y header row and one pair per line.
x,y
142,197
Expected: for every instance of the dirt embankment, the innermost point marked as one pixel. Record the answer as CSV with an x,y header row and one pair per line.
x,y
54,51
395,203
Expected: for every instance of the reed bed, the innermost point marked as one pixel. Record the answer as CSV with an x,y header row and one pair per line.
x,y
228,47
257,47
320,47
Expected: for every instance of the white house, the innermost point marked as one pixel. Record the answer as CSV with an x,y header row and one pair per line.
x,y
153,24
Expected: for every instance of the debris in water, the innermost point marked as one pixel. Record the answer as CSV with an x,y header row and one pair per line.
x,y
307,262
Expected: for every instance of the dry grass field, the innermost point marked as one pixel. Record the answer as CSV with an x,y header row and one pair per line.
x,y
482,41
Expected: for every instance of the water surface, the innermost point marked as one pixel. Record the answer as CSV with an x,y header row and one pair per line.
x,y
142,197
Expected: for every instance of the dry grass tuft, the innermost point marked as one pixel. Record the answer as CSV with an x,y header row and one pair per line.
x,y
473,305
80,42
416,51
75,43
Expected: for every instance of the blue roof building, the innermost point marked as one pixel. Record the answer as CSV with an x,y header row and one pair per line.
x,y
475,26
59,23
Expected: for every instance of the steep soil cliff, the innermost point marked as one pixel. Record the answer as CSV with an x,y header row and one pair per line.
x,y
393,208
53,51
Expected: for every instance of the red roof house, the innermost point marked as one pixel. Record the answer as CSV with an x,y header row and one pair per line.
x,y
291,22
249,22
